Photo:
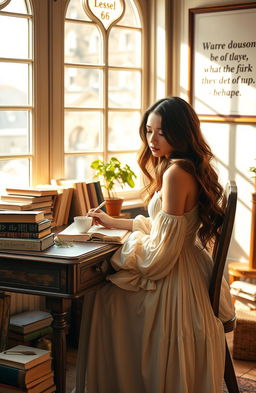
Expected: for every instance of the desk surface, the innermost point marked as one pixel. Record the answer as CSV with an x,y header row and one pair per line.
x,y
57,271
76,251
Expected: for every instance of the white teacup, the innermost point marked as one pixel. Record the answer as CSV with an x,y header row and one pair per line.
x,y
83,223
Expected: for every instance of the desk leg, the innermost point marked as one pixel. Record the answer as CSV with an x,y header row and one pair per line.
x,y
59,308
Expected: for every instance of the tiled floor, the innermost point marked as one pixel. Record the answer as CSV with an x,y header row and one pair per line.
x,y
242,367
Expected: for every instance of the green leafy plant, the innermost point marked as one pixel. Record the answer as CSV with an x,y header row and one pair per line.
x,y
113,172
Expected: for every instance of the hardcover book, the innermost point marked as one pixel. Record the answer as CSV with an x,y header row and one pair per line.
x,y
86,196
15,243
50,389
24,357
95,233
27,235
92,194
99,192
48,377
32,191
25,227
25,338
21,216
25,198
38,388
24,205
29,321
243,289
11,375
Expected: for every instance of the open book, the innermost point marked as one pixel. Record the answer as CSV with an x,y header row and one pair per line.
x,y
95,233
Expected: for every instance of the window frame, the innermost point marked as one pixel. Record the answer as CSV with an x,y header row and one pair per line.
x,y
47,105
29,61
58,12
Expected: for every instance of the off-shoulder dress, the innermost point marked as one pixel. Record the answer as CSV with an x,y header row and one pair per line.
x,y
151,328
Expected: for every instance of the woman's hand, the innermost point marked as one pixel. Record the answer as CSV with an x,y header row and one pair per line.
x,y
101,218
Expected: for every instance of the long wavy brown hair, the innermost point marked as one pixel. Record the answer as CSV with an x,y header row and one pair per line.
x,y
181,128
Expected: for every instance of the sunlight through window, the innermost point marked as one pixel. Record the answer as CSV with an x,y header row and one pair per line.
x,y
103,84
16,68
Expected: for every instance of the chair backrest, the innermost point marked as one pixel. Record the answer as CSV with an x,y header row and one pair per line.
x,y
221,246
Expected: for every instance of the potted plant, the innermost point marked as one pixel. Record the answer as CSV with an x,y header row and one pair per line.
x,y
110,173
253,170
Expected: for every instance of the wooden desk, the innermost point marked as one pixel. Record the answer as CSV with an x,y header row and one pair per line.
x,y
61,274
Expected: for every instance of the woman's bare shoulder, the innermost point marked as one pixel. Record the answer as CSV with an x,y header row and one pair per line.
x,y
177,174
179,190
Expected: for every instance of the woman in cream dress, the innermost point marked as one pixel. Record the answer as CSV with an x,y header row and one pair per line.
x,y
151,328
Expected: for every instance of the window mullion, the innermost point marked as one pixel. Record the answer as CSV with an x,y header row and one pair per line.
x,y
105,95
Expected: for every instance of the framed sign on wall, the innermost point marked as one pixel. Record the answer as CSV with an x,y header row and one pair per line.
x,y
222,62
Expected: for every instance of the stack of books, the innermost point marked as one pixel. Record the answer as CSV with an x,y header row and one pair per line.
x,y
25,230
244,294
28,327
26,199
86,195
25,369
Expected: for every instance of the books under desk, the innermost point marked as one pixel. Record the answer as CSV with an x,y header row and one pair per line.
x,y
26,369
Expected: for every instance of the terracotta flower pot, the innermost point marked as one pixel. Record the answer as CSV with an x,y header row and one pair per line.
x,y
113,206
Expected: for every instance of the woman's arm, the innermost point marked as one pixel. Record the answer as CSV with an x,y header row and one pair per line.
x,y
101,218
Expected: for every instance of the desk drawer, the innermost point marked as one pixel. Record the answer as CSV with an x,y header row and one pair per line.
x,y
95,274
38,277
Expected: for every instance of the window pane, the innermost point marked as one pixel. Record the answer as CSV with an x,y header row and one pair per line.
x,y
76,11
83,43
125,47
15,172
14,28
131,160
124,89
123,131
14,84
79,167
18,6
131,16
83,131
14,132
83,87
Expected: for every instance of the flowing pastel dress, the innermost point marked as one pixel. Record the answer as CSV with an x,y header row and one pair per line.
x,y
151,329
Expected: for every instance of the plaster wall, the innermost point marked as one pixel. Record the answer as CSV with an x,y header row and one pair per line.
x,y
234,145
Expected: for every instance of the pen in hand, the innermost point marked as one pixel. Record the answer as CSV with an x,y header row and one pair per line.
x,y
97,208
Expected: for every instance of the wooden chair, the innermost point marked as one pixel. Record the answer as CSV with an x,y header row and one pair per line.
x,y
219,255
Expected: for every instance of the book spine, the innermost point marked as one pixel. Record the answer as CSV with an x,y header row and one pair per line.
x,y
99,194
33,335
12,376
27,235
18,227
14,244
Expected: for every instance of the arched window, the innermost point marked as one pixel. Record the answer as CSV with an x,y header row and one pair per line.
x,y
103,86
16,92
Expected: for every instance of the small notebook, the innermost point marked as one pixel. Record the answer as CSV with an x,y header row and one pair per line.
x,y
95,233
